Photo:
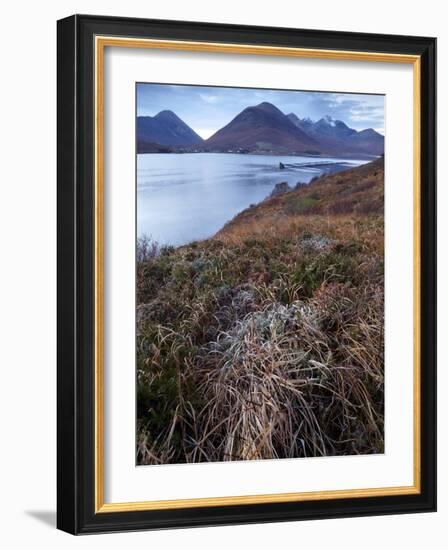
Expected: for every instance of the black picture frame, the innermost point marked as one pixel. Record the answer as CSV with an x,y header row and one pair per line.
x,y
76,264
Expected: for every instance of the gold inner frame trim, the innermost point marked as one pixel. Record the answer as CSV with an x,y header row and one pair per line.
x,y
101,42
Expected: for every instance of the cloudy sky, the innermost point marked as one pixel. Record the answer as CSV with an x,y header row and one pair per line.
x,y
206,109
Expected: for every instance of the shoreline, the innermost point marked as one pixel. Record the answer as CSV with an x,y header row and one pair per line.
x,y
354,156
331,168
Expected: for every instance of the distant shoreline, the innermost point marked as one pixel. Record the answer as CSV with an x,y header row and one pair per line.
x,y
360,156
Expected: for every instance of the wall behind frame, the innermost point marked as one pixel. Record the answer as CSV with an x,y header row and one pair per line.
x,y
27,289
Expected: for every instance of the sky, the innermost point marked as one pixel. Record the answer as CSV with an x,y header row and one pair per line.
x,y
206,109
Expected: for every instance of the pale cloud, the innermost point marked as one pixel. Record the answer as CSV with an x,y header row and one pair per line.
x,y
208,98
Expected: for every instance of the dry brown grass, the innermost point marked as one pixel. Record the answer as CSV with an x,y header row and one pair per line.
x,y
274,225
264,342
280,384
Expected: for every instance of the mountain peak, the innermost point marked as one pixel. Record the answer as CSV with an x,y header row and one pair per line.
x,y
268,107
327,119
369,132
167,115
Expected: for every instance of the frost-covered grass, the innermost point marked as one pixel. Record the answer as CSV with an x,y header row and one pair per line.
x,y
264,342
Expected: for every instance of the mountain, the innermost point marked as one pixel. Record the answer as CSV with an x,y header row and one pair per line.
x,y
164,129
304,124
369,140
262,128
335,137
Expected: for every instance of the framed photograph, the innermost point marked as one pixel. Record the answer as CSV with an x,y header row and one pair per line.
x,y
246,274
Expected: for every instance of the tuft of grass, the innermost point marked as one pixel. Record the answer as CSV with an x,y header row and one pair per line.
x,y
291,381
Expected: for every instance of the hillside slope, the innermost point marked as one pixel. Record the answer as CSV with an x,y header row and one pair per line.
x,y
358,190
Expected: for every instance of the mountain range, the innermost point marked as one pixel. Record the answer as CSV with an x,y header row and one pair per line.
x,y
261,128
333,134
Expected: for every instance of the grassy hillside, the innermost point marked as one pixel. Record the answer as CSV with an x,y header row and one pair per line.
x,y
358,191
266,341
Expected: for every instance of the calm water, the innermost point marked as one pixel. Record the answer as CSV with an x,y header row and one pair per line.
x,y
187,197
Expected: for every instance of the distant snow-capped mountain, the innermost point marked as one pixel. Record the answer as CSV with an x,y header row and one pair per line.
x,y
337,138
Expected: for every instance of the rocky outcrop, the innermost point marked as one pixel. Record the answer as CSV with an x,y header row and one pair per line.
x,y
300,184
280,189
